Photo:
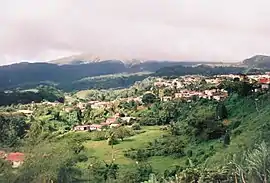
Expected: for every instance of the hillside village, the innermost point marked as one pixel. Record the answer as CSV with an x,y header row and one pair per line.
x,y
186,88
141,110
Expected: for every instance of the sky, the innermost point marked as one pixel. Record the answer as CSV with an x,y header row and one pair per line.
x,y
203,30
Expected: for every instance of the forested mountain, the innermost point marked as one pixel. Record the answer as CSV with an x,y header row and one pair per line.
x,y
181,70
27,75
72,72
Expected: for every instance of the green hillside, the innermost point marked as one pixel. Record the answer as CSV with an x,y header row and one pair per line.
x,y
173,137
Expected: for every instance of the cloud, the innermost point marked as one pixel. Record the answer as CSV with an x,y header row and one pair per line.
x,y
218,30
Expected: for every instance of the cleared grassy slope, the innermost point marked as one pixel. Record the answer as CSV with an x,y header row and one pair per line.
x,y
103,151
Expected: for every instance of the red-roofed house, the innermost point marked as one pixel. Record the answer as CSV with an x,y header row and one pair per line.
x,y
16,159
111,120
264,82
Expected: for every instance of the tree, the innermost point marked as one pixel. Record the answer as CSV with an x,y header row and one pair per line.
x,y
87,113
227,139
149,98
35,131
122,132
243,88
12,129
203,82
221,111
252,166
136,126
167,92
58,160
79,114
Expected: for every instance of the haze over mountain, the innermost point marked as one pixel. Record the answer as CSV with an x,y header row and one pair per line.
x,y
260,61
36,30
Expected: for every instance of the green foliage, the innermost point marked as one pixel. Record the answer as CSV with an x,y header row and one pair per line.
x,y
149,98
24,97
251,166
221,111
227,139
122,132
241,88
58,160
201,70
12,129
106,81
136,126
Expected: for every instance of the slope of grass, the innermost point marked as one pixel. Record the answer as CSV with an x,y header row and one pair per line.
x,y
103,151
254,118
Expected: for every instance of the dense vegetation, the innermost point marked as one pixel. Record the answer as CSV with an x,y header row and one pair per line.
x,y
105,82
85,76
29,75
28,96
201,70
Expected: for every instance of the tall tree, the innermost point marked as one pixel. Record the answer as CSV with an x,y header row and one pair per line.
x,y
221,111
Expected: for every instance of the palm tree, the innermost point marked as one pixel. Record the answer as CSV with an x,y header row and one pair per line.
x,y
253,166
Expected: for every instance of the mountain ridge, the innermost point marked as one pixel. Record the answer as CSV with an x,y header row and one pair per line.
x,y
260,61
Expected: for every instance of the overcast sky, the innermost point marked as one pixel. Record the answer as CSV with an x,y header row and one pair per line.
x,y
39,30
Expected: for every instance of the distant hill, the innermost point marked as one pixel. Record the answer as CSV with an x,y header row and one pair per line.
x,y
67,72
27,75
258,61
181,70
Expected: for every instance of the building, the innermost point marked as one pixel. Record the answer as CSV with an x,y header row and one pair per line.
x,y
111,120
16,159
96,127
264,83
26,112
82,128
115,125
128,120
166,98
92,127
101,105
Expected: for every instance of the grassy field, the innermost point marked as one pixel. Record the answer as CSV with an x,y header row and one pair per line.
x,y
103,151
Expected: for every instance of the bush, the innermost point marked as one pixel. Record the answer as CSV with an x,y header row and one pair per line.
x,y
98,136
136,126
189,153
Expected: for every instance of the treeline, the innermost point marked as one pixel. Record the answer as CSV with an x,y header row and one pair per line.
x,y
109,82
24,97
200,70
34,73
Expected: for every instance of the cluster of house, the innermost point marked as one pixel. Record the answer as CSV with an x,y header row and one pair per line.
x,y
15,158
180,84
112,122
215,94
184,81
106,104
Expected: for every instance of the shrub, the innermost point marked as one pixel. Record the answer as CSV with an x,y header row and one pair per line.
x,y
136,126
98,136
189,153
